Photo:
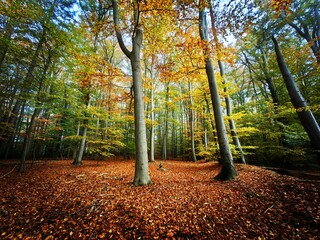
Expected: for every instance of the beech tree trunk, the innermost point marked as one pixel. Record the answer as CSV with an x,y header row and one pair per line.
x,y
79,153
141,175
165,131
232,124
191,122
152,133
28,141
28,79
228,170
269,81
305,115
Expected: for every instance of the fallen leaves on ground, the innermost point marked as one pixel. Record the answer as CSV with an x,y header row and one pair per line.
x,y
56,200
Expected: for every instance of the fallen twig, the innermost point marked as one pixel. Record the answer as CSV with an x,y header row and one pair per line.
x,y
9,172
268,208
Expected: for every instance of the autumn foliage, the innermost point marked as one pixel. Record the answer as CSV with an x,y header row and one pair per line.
x,y
280,5
55,200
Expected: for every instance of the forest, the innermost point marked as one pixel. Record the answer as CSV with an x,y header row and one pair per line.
x,y
209,97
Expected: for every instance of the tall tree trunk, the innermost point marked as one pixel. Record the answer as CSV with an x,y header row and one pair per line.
x,y
29,77
174,150
30,131
191,122
269,81
305,115
228,170
28,140
165,132
78,157
151,106
232,124
141,175
152,124
75,149
210,118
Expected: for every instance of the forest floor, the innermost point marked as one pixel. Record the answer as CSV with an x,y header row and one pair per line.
x,y
55,200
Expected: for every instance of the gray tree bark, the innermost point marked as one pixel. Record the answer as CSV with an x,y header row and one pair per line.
x,y
191,122
165,131
152,133
305,115
141,176
228,170
29,77
232,124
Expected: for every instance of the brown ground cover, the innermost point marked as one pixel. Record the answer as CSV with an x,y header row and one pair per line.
x,y
55,200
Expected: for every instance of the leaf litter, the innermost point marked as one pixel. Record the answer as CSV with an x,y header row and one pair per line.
x,y
57,200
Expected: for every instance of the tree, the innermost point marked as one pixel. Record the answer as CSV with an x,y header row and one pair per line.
x,y
304,18
228,170
305,115
141,176
232,124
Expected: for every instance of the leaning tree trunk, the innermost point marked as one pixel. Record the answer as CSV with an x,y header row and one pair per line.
x,y
269,81
28,79
141,175
305,115
228,170
232,124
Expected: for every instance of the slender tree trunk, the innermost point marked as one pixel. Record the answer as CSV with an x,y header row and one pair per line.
x,y
269,81
141,175
228,170
29,77
28,141
75,149
31,129
191,122
211,119
305,115
165,131
232,124
152,114
174,143
152,124
78,157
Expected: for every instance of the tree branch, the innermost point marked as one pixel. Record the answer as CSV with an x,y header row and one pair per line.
x,y
117,29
